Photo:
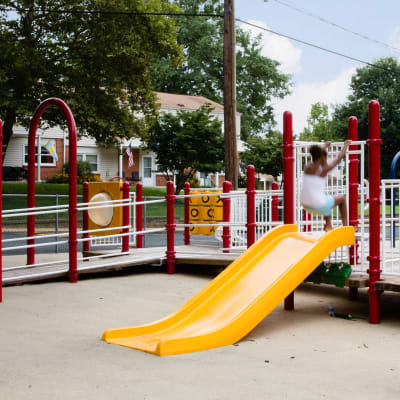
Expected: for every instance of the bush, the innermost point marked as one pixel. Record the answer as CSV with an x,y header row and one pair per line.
x,y
14,173
59,178
82,168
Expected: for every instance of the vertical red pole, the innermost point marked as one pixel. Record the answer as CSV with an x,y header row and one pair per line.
x,y
1,212
30,252
288,182
226,203
251,205
353,197
170,227
85,217
374,270
186,234
275,203
125,217
139,215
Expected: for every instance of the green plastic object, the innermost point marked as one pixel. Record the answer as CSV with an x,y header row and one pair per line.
x,y
332,273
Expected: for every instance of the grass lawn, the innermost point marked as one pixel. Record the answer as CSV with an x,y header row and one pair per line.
x,y
52,189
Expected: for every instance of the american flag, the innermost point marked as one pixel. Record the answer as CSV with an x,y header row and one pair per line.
x,y
130,155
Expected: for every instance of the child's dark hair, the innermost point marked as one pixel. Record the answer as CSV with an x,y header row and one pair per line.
x,y
317,152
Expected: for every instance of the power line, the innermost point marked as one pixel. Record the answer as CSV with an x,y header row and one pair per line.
x,y
109,12
334,24
315,46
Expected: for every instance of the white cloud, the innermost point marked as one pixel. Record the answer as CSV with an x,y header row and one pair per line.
x,y
305,94
276,47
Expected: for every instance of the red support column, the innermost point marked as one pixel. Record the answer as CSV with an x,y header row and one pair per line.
x,y
226,203
139,215
170,227
1,212
275,203
125,217
374,270
353,197
251,205
85,217
186,234
288,182
73,207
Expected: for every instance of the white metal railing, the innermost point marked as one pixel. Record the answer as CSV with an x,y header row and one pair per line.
x,y
390,225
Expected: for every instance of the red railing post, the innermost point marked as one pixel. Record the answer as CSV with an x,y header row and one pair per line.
x,y
288,182
125,217
1,212
374,270
226,203
73,207
139,215
85,217
353,197
170,227
275,203
251,205
186,234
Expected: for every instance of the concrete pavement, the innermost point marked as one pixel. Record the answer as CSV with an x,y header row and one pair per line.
x,y
51,348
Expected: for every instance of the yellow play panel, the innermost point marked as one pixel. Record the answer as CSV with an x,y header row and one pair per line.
x,y
240,297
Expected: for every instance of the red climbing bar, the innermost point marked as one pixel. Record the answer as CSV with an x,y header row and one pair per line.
x,y
72,210
251,205
226,203
353,185
275,203
1,212
374,270
353,197
125,217
85,217
139,215
186,234
170,227
288,182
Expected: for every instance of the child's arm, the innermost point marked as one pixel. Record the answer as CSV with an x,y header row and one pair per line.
x,y
336,161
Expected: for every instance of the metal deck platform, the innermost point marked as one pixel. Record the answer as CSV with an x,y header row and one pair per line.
x,y
197,255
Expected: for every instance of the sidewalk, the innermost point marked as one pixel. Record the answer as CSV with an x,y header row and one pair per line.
x,y
51,348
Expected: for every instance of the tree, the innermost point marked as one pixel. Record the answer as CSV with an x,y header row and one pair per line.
x,y
97,59
264,153
380,83
186,143
319,127
258,77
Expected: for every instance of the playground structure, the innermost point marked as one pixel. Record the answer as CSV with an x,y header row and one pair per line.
x,y
246,217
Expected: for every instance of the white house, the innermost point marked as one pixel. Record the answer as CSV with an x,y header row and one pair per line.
x,y
110,162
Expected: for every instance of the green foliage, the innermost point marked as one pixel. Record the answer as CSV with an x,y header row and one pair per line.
x,y
186,143
83,172
264,153
319,127
258,78
94,62
382,84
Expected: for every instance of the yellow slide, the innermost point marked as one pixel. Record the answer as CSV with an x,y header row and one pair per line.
x,y
240,297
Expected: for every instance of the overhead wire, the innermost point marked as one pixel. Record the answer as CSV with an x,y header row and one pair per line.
x,y
315,46
304,11
208,15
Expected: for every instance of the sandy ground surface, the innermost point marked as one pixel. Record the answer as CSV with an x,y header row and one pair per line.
x,y
51,347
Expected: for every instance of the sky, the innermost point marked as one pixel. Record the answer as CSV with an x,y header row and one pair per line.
x,y
317,75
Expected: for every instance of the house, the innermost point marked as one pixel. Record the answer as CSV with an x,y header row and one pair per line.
x,y
111,162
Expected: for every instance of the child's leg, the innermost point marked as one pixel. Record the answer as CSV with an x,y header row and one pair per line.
x,y
341,202
328,223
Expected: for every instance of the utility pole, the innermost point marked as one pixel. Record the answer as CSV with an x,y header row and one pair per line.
x,y
231,159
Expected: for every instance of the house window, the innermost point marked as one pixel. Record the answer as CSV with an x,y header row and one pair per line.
x,y
147,161
45,157
92,159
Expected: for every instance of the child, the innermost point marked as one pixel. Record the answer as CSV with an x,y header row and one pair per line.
x,y
313,197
